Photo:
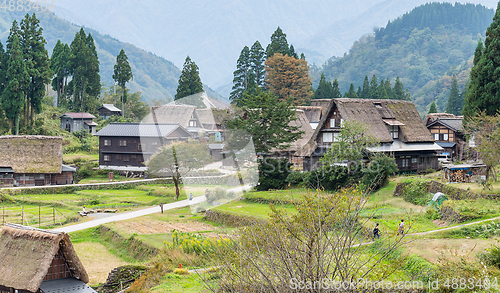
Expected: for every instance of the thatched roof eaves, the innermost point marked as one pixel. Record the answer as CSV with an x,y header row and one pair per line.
x,y
429,118
206,117
26,255
31,154
140,130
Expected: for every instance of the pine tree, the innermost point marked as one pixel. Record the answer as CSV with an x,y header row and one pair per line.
x,y
381,92
293,53
84,67
398,90
433,108
365,92
60,66
37,64
336,94
324,90
374,88
190,84
484,90
257,60
278,44
351,93
14,31
3,68
455,101
17,76
122,74
240,80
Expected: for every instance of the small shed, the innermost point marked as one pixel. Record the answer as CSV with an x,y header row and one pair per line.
x,y
464,172
72,122
39,261
108,110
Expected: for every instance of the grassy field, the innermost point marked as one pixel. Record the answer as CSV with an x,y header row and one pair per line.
x,y
77,157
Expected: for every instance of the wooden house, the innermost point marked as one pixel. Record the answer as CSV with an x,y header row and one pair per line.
x,y
447,131
183,115
78,121
395,124
39,261
126,146
108,110
33,161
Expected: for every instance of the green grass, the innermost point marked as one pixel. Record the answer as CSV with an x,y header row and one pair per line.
x,y
250,209
81,156
100,178
177,283
156,240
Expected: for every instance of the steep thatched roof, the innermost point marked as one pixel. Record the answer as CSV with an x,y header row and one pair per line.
x,y
376,114
206,118
313,113
169,114
31,153
26,254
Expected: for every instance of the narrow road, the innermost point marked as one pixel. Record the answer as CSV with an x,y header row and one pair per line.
x,y
142,212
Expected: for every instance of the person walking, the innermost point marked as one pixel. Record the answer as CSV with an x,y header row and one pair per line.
x,y
401,229
376,232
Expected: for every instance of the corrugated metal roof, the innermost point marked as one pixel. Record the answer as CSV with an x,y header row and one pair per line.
x,y
6,170
446,144
399,146
140,130
66,285
66,168
109,107
78,115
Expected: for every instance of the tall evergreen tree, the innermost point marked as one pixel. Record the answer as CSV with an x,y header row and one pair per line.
x,y
324,90
60,66
240,80
17,76
278,44
381,92
374,87
365,92
455,100
293,53
36,59
122,74
398,90
84,64
257,60
14,31
484,89
190,84
336,94
351,93
3,68
432,108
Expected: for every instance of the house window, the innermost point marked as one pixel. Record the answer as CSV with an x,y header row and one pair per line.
x,y
394,130
123,143
40,176
414,160
154,143
404,163
139,147
336,136
332,123
133,156
107,158
126,158
192,123
327,137
107,142
436,136
118,157
444,136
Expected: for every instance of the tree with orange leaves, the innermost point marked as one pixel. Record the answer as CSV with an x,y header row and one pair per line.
x,y
288,77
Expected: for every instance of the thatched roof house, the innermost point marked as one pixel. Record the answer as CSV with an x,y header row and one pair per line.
x,y
395,124
184,115
33,259
32,160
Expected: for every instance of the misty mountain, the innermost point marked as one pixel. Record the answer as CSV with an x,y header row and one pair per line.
x,y
213,33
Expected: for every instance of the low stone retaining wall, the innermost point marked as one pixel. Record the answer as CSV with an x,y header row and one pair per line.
x,y
434,186
229,219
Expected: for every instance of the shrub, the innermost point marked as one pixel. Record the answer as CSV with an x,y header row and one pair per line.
x,y
295,178
218,193
273,173
416,193
330,177
180,271
491,256
378,170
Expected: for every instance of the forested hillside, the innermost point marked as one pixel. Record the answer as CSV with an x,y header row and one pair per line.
x,y
424,47
155,77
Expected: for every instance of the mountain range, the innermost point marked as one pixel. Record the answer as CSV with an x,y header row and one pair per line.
x,y
213,33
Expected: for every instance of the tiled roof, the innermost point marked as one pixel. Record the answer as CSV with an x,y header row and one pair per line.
x,y
79,115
